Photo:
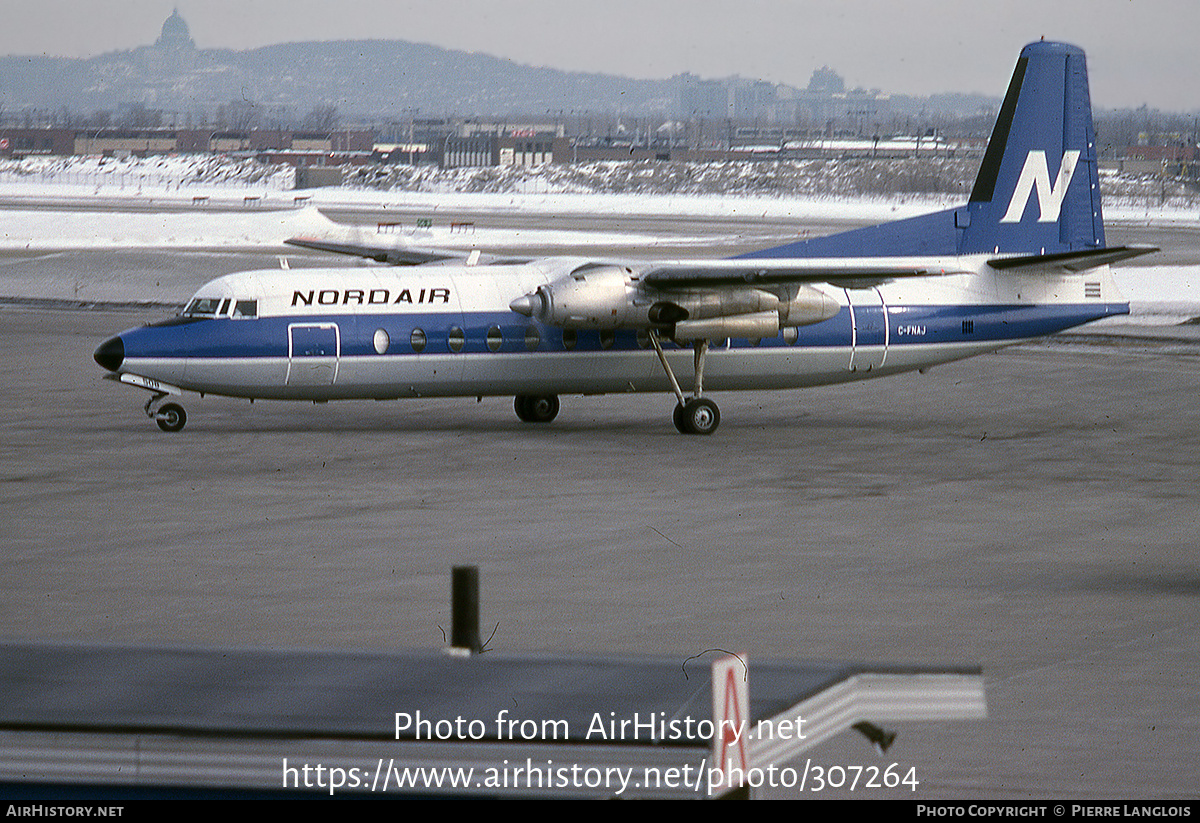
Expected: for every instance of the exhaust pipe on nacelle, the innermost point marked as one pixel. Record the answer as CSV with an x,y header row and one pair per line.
x,y
751,326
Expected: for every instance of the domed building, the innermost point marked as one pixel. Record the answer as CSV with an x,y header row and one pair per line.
x,y
173,53
175,35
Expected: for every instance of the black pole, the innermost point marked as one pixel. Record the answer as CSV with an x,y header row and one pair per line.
x,y
464,594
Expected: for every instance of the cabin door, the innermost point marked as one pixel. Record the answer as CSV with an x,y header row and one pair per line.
x,y
313,352
868,329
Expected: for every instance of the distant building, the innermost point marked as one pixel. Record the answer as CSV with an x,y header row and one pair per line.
x,y
703,98
21,142
1180,160
175,35
296,147
174,52
825,81
527,145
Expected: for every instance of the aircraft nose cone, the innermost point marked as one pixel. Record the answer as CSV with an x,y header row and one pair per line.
x,y
111,353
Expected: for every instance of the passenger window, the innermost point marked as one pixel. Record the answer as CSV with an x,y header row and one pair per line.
x,y
456,339
570,338
532,338
494,338
381,341
607,338
417,339
245,308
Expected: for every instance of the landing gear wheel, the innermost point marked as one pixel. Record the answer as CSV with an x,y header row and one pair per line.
x,y
536,408
170,417
698,416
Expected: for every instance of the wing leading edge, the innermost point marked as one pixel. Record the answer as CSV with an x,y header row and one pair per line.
x,y
742,272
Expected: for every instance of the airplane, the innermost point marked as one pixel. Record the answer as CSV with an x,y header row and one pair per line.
x,y
1025,257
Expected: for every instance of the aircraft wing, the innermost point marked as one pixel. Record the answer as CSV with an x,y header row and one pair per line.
x,y
396,255
851,273
717,273
400,254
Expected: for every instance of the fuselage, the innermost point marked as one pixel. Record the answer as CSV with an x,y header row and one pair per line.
x,y
448,330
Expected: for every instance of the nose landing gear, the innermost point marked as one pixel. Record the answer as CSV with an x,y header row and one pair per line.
x,y
170,417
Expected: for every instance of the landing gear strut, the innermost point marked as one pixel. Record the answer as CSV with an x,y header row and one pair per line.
x,y
699,415
536,408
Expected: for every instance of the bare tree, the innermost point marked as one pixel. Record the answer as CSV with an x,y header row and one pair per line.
x,y
321,119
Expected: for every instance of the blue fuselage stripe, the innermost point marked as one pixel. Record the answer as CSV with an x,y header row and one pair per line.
x,y
906,325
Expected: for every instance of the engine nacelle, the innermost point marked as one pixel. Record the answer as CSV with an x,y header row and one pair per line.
x,y
807,306
591,297
608,297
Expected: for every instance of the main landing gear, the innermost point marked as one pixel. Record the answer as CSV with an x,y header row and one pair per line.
x,y
699,415
536,408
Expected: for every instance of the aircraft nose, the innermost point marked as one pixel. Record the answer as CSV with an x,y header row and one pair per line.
x,y
111,353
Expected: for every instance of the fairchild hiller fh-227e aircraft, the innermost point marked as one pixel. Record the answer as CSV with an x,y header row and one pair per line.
x,y
1024,257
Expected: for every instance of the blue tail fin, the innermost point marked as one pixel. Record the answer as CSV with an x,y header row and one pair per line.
x,y
1038,189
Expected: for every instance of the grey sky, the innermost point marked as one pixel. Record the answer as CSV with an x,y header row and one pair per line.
x,y
1139,51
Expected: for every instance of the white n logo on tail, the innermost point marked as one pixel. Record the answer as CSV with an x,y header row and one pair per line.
x,y
1035,174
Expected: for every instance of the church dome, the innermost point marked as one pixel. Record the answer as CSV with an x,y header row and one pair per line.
x,y
175,34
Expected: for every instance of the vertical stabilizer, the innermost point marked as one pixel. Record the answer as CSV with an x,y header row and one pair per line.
x,y
1038,189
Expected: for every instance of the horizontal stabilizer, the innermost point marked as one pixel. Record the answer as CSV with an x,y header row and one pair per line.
x,y
1073,261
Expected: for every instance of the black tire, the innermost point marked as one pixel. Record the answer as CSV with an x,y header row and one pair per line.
x,y
170,417
536,408
700,416
677,416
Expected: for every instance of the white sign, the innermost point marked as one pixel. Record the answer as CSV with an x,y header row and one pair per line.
x,y
731,722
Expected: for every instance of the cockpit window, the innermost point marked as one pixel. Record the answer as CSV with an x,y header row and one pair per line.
x,y
202,307
245,308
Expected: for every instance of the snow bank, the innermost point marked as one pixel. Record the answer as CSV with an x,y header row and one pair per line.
x,y
36,229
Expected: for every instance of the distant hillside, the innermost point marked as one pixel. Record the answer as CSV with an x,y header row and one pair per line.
x,y
365,76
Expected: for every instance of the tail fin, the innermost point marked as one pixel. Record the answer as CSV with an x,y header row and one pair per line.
x,y
1016,206
1045,127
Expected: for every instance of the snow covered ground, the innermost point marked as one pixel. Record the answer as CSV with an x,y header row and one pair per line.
x,y
195,202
